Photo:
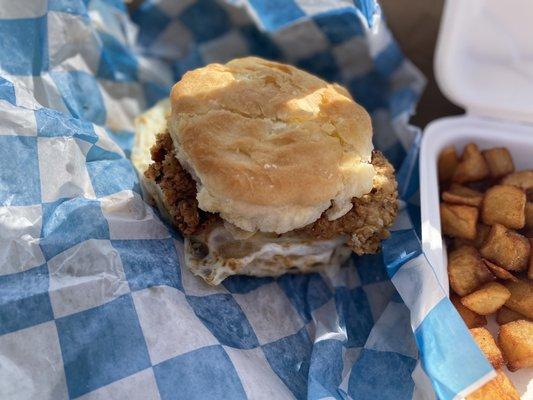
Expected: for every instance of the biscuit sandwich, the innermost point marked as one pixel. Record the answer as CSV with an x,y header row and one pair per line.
x,y
265,170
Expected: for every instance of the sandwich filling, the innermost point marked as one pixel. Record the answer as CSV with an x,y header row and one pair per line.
x,y
362,228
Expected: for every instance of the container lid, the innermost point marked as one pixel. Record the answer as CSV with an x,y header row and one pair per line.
x,y
484,57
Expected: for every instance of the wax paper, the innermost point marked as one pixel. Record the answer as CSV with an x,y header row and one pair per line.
x,y
95,301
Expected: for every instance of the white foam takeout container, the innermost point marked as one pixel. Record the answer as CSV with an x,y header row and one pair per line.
x,y
484,63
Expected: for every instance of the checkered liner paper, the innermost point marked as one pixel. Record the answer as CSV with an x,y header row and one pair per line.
x,y
95,301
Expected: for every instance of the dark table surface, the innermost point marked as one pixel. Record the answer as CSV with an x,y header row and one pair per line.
x,y
415,24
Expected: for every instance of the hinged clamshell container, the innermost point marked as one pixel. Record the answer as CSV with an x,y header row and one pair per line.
x,y
483,63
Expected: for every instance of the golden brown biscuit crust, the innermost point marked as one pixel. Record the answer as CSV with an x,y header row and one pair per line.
x,y
270,145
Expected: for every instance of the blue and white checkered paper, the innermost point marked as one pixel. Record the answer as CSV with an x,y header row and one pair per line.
x,y
95,302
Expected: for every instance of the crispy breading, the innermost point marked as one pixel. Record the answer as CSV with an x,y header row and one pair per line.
x,y
367,222
178,187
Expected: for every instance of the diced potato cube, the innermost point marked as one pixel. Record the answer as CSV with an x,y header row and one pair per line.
x,y
499,272
516,341
487,299
529,214
471,319
458,221
507,248
521,299
499,161
447,163
506,315
472,166
500,388
458,194
482,231
460,242
464,190
482,234
504,204
521,179
488,346
466,271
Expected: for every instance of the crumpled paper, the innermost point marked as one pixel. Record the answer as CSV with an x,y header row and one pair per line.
x,y
94,298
